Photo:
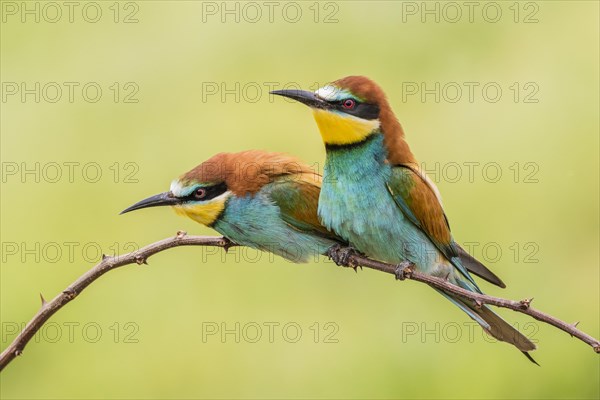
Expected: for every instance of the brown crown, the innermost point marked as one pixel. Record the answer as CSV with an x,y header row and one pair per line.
x,y
247,171
393,134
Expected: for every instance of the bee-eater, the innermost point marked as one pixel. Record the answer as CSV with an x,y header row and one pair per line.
x,y
377,198
266,201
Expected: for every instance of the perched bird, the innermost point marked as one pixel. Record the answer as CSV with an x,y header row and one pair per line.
x,y
377,198
266,201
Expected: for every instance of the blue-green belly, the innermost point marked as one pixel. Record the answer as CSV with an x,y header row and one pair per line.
x,y
356,204
255,221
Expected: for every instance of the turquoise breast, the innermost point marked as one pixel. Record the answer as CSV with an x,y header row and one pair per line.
x,y
356,204
254,221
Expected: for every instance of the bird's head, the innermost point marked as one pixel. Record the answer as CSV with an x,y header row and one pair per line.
x,y
202,193
347,111
199,200
350,110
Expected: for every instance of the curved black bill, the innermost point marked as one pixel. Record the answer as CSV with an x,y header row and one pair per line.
x,y
303,96
163,199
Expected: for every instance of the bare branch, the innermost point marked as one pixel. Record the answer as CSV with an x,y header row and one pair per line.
x,y
522,306
141,256
108,263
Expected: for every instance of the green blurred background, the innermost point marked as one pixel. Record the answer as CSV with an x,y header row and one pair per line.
x,y
141,332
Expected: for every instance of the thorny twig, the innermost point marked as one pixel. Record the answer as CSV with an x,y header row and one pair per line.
x,y
108,263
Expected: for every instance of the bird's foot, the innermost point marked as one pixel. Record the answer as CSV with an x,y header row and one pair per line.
x,y
404,270
341,255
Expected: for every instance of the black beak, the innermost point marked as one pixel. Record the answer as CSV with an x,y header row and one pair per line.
x,y
163,199
303,96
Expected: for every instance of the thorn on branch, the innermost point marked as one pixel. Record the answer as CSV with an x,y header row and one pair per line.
x,y
525,303
574,326
226,244
18,352
44,302
139,260
181,234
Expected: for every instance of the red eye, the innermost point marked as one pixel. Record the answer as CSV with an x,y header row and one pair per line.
x,y
200,193
349,104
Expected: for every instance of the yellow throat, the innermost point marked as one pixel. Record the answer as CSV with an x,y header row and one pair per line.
x,y
206,213
340,129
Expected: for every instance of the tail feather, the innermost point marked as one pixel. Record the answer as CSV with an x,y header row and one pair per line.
x,y
477,268
526,354
502,330
493,324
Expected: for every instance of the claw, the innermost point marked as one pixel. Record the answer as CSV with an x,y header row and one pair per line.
x,y
403,270
331,253
342,255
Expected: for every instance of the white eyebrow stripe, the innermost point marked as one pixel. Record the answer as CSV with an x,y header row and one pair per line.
x,y
178,190
330,93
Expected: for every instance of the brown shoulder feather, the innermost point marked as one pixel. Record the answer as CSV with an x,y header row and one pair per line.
x,y
246,172
427,207
298,201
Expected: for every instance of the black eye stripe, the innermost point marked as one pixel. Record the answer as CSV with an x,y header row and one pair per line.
x,y
211,192
360,110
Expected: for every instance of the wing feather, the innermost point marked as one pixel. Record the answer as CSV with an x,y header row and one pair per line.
x,y
419,200
298,197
